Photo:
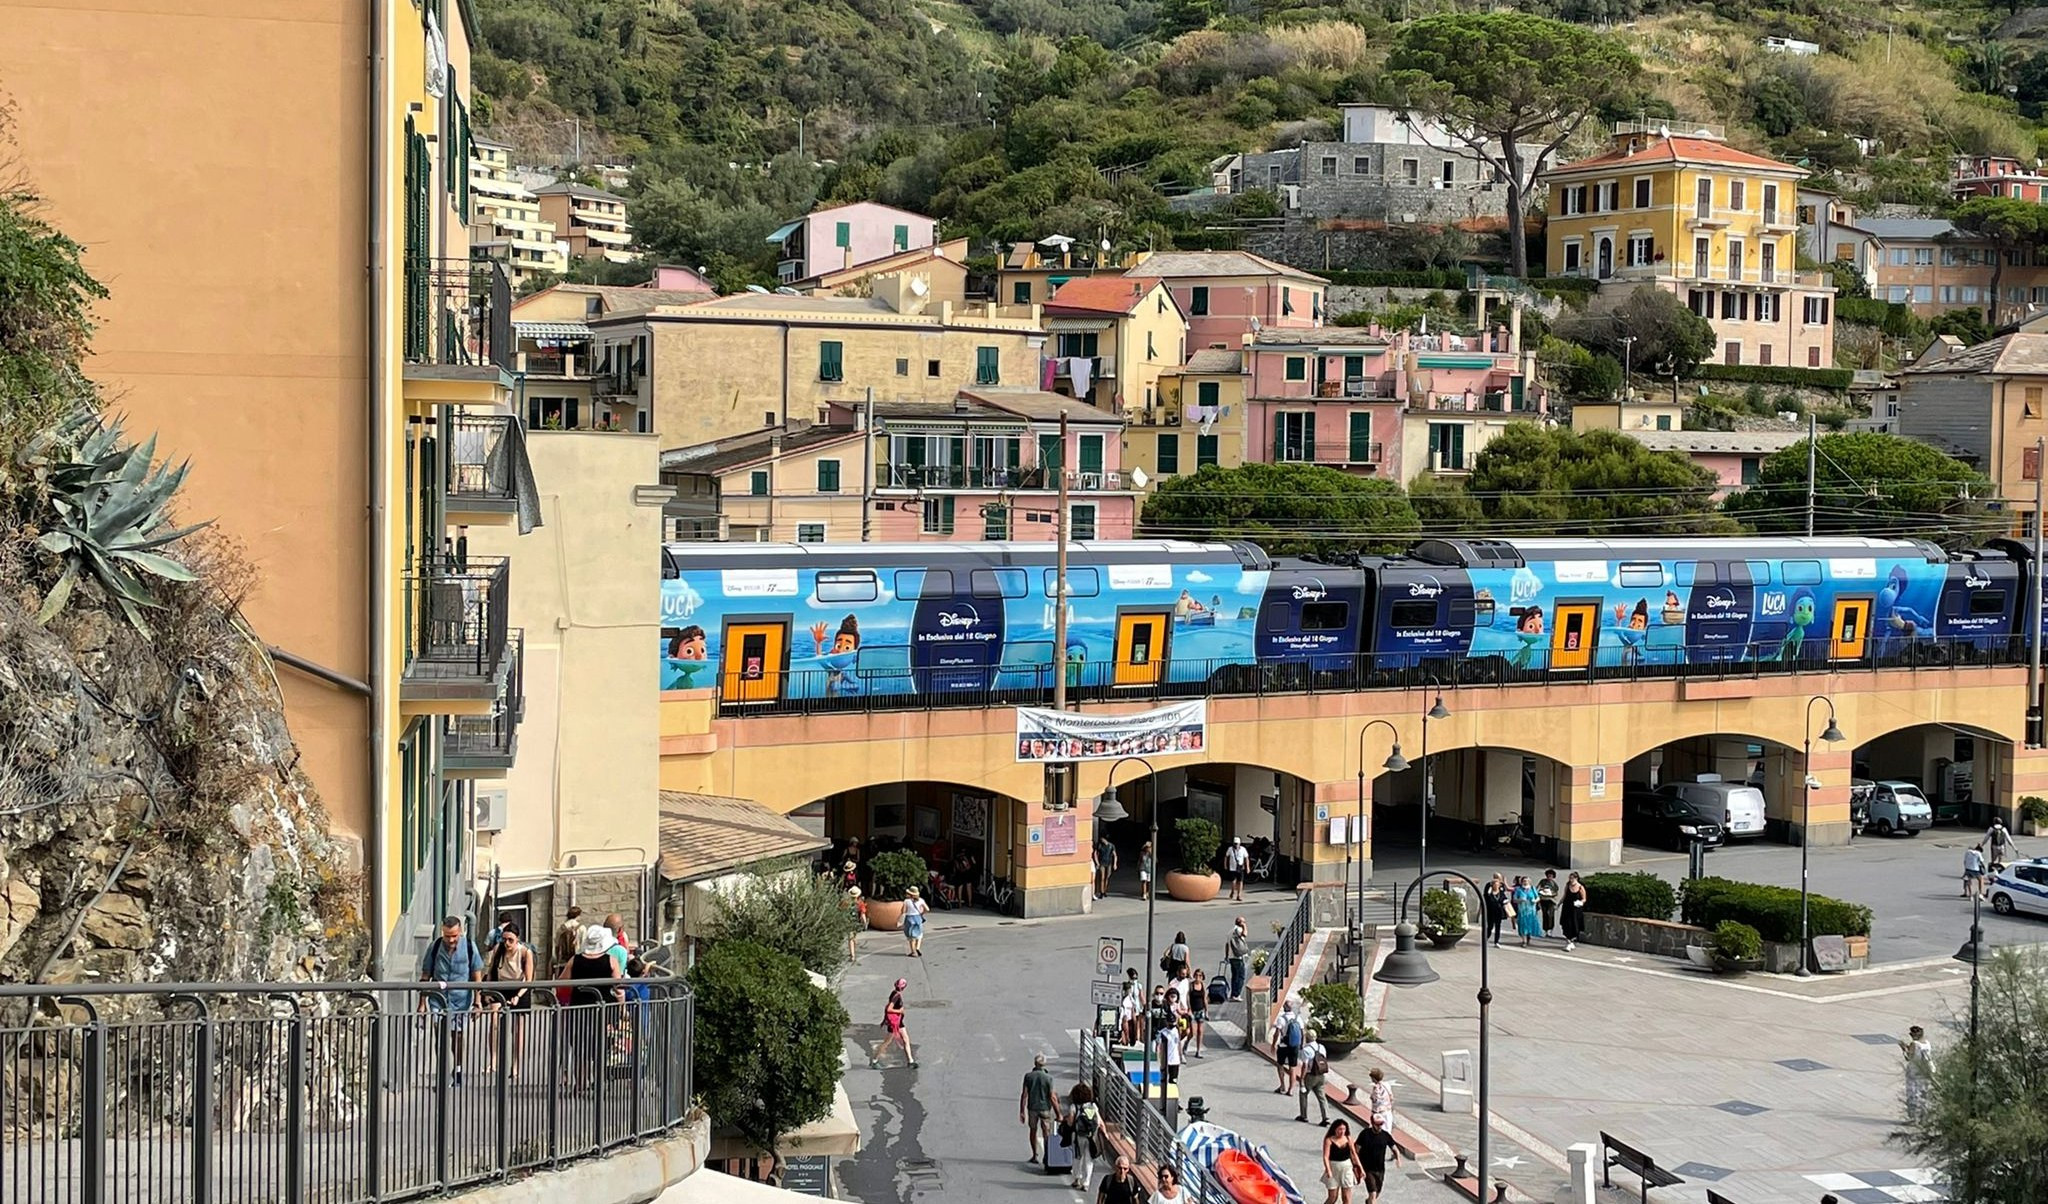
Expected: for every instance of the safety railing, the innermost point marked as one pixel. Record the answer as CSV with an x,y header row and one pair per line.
x,y
900,686
224,1094
1128,1115
485,456
1286,948
458,616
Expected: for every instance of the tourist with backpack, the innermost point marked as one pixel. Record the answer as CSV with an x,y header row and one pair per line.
x,y
453,958
1287,1039
1085,1122
1315,1069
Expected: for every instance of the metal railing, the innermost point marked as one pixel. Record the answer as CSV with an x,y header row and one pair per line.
x,y
1128,1115
482,452
1101,367
458,312
956,476
1286,948
458,614
903,687
492,738
224,1094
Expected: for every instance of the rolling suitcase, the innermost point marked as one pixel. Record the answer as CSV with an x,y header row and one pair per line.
x,y
1219,988
1059,1155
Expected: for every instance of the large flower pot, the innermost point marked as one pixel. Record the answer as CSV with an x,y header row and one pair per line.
x,y
885,917
1446,940
1193,888
1337,1048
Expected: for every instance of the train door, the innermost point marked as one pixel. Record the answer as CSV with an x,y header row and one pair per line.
x,y
1850,631
754,655
1141,647
1576,634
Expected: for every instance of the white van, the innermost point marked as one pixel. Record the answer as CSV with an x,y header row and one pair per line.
x,y
1737,806
1899,807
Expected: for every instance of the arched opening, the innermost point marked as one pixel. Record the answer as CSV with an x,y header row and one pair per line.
x,y
1500,802
1264,808
941,822
1605,257
1730,788
1960,771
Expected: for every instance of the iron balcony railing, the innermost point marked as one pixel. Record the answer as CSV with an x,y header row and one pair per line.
x,y
458,313
955,476
457,616
282,1093
491,741
483,453
1030,683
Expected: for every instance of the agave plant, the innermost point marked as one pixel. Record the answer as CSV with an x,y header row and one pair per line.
x,y
100,504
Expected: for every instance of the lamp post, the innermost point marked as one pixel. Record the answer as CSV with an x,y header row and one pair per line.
x,y
1407,966
1394,763
1974,953
1436,711
1833,735
1107,802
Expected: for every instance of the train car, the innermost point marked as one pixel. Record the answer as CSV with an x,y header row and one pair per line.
x,y
772,622
1982,603
1313,615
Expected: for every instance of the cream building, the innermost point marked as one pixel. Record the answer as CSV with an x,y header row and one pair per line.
x,y
506,224
1198,420
590,220
1110,339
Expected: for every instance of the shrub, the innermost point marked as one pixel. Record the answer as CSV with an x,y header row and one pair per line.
x,y
896,871
1444,910
1777,374
1737,941
1635,896
787,908
1771,910
1199,840
767,1040
2034,808
1334,1011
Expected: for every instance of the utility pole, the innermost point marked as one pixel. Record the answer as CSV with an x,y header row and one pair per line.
x,y
1059,588
2034,733
867,468
1812,457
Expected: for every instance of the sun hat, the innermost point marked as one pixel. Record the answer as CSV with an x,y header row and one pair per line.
x,y
853,891
597,939
911,891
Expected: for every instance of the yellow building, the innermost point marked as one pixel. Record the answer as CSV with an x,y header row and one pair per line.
x,y
801,484
1636,414
1198,419
1716,226
944,267
345,408
506,224
591,220
1110,338
569,380
755,360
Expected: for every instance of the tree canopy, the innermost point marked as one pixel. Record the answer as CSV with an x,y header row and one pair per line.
x,y
1866,483
785,907
1651,331
767,1043
1533,480
2010,223
1288,509
1503,80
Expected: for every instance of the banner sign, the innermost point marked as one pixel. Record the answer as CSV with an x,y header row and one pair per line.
x,y
1044,735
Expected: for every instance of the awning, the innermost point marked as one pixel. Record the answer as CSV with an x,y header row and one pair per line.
x,y
715,1187
836,1134
963,427
706,835
1085,324
784,231
541,332
510,887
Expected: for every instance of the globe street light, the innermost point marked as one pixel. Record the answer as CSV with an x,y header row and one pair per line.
x,y
1407,966
1833,735
1104,808
1394,763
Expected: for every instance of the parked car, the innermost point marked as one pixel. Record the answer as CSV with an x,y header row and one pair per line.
x,y
1737,806
1899,807
2021,887
1654,818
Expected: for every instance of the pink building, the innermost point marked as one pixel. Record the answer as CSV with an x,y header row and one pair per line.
x,y
1732,456
1227,295
1329,397
828,240
1996,175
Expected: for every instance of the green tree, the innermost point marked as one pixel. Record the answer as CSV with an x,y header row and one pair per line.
x,y
2009,224
1966,324
1533,480
787,908
767,1040
1651,331
1442,505
1500,81
46,300
1865,483
1288,509
1985,1124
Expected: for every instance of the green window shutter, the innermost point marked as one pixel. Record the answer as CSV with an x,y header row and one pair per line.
x,y
1020,293
988,366
1169,454
831,363
1308,441
1361,437
843,235
1205,450
995,522
1207,393
1049,457
946,515
1286,300
1354,367
757,483
1279,438
903,238
828,476
1091,453
1297,368
1198,301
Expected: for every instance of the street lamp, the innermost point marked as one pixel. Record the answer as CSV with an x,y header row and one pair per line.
x,y
1974,952
1436,711
1394,763
1407,966
1833,735
1104,807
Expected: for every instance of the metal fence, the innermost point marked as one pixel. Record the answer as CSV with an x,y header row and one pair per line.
x,y
1280,964
458,614
333,1094
1127,1114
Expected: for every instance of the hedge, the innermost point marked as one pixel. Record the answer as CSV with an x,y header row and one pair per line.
x,y
1771,910
1440,278
1836,379
1636,896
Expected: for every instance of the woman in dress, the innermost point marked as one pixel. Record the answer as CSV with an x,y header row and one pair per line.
x,y
592,1007
1494,903
511,962
1527,923
913,921
1379,1101
893,1030
1341,1167
1574,911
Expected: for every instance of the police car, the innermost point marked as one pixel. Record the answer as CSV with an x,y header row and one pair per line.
x,y
2021,887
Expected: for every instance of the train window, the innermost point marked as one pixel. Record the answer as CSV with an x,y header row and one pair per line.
x,y
670,570
912,584
858,585
1276,616
1692,572
1081,582
1642,576
1002,583
1759,571
1801,572
1987,602
1412,614
1325,616
1738,572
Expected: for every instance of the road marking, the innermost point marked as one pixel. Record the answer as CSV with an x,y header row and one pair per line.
x,y
1511,1161
1724,984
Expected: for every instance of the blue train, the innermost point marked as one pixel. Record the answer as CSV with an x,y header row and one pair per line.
x,y
771,623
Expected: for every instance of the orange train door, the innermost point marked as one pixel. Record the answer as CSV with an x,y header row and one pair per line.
x,y
1851,629
1575,635
753,659
1141,647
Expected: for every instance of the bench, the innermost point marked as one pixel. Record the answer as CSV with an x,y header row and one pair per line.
x,y
1629,1158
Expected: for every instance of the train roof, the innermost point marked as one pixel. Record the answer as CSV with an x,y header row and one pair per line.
x,y
865,555
1507,553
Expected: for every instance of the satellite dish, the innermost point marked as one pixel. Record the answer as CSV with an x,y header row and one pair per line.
x,y
1105,244
919,286
1138,477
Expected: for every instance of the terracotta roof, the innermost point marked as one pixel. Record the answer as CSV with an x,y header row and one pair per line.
x,y
1039,405
1675,149
1217,263
1101,294
1721,442
1332,336
705,835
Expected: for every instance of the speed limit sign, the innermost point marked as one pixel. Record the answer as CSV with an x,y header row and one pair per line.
x,y
1109,956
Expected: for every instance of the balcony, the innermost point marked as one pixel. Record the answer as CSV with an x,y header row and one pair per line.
x,y
1101,367
1355,387
484,746
556,363
1374,454
1705,216
1493,401
1780,219
457,331
456,634
485,468
953,476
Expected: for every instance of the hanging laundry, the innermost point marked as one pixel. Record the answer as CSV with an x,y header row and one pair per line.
x,y
1079,370
1047,370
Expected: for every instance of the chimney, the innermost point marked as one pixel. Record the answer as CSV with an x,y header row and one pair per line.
x,y
959,403
775,444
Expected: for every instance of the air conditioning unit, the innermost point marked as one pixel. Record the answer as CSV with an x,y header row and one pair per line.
x,y
491,809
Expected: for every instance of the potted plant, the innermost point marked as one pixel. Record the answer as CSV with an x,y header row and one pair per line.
x,y
1737,948
1443,917
1194,881
2033,815
891,875
1259,958
1338,1018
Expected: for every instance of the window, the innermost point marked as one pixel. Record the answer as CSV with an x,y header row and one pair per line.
x,y
1813,360
1081,521
1208,393
1020,293
1901,256
1800,572
1571,202
999,583
1294,437
1411,171
1643,192
1923,294
1361,166
1641,250
1169,455
1049,457
931,369
831,361
757,483
1642,575
1949,257
1297,367
938,515
848,585
912,584
1205,450
902,238
1091,453
1607,198
902,366
1325,616
1770,307
995,522
1086,345
1151,349
1082,582
2033,402
828,476
1409,614
1447,446
1198,300
810,532
1738,195
1898,294
1692,572
1923,257
842,235
1361,437
1948,294
1970,295
988,366
1329,165
1571,258
1663,422
1450,171
1763,353
1286,300
1731,352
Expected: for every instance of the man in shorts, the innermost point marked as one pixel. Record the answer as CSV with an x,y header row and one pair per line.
x,y
1236,860
1038,1107
1375,1147
453,958
1287,1040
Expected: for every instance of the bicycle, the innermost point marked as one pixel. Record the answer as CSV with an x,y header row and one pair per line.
x,y
997,892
